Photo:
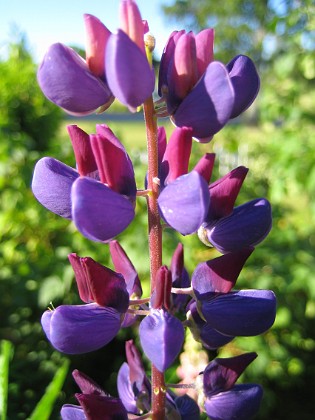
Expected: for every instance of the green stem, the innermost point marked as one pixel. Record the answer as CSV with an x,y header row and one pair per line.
x,y
155,243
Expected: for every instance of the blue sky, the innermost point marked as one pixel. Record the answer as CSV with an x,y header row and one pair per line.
x,y
47,21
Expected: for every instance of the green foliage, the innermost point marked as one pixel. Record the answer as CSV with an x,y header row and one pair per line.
x,y
6,352
25,115
45,406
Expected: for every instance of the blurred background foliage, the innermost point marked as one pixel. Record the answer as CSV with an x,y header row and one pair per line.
x,y
275,139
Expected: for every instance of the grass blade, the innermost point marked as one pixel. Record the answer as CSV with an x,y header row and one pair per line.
x,y
6,352
45,406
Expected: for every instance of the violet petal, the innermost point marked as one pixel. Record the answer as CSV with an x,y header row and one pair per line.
x,y
184,203
247,226
66,80
207,108
125,391
128,71
86,384
241,402
81,328
51,185
241,313
161,337
98,212
187,407
72,412
245,81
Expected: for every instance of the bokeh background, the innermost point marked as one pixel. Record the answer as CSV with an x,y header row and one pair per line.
x,y
275,139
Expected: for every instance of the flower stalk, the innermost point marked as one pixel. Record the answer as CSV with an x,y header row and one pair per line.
x,y
155,241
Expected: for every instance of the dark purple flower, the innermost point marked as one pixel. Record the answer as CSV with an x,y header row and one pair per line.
x,y
76,85
99,284
180,277
224,399
76,329
240,313
130,76
241,402
133,386
202,331
246,226
94,402
218,275
100,197
124,266
199,92
161,337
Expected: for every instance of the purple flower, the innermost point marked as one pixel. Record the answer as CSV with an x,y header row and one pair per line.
x,y
230,228
130,76
76,85
219,314
225,400
94,402
100,196
76,329
124,266
67,325
161,337
202,93
133,386
184,198
240,313
247,226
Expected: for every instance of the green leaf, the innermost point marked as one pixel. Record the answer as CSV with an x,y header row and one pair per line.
x,y
6,353
44,407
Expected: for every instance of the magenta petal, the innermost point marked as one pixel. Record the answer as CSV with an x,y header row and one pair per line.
x,y
161,337
219,275
224,192
222,373
128,71
72,412
241,402
207,108
80,329
51,185
98,407
245,81
176,157
242,313
86,384
98,212
66,80
184,203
